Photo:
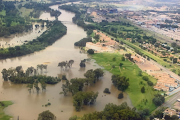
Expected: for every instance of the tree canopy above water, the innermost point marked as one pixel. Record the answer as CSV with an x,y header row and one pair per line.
x,y
46,115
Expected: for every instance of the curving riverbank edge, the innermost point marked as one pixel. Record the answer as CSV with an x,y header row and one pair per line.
x,y
55,31
4,104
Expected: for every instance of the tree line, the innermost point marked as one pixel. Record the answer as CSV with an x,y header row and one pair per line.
x,y
29,76
112,112
55,31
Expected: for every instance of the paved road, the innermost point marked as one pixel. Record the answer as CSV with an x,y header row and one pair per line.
x,y
172,100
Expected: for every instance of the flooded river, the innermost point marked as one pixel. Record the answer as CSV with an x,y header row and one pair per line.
x,y
19,39
28,106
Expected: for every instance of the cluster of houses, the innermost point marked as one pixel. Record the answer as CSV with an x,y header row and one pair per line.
x,y
99,14
165,82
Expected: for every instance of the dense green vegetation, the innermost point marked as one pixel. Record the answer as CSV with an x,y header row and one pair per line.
x,y
120,82
84,98
4,104
10,20
76,84
82,42
46,115
158,100
31,79
75,87
131,71
55,31
31,75
112,112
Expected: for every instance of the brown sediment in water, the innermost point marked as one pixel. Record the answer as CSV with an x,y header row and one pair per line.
x,y
28,106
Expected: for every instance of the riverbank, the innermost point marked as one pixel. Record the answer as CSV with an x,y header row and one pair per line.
x,y
136,82
130,70
55,31
4,104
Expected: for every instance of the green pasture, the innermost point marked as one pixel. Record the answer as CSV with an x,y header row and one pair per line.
x,y
129,70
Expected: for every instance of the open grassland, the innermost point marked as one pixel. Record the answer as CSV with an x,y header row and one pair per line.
x,y
25,12
3,13
4,104
130,70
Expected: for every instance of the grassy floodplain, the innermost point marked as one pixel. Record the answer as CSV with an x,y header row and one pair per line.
x,y
4,104
129,70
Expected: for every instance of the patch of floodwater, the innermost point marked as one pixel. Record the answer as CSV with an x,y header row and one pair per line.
x,y
28,106
21,38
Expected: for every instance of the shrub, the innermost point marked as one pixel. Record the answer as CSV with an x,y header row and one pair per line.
x,y
158,100
145,78
150,83
165,59
114,59
140,73
143,89
64,77
90,51
82,42
120,64
106,90
120,96
123,58
146,111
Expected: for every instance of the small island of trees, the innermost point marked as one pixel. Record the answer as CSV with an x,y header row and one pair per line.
x,y
75,87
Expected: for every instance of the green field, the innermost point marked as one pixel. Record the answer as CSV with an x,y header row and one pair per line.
x,y
129,70
4,104
25,12
3,13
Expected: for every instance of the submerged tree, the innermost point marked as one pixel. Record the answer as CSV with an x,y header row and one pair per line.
x,y
46,115
84,98
43,85
90,75
30,86
5,74
98,73
36,87
71,62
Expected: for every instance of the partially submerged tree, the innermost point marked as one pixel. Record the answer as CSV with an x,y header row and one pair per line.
x,y
120,96
106,90
46,115
84,98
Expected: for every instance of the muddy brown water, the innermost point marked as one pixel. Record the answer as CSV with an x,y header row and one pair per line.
x,y
19,39
27,106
